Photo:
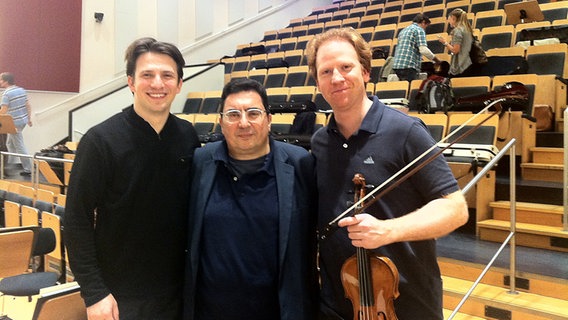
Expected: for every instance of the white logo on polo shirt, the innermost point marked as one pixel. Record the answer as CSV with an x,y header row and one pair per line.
x,y
369,160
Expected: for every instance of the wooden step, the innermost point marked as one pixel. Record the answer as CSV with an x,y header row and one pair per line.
x,y
526,282
494,302
528,234
547,155
535,213
542,172
460,316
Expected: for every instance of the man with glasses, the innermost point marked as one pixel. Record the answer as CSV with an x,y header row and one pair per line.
x,y
251,219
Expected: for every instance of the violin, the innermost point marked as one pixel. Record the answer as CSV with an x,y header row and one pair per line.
x,y
370,281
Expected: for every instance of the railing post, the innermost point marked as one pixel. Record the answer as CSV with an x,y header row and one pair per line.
x,y
513,219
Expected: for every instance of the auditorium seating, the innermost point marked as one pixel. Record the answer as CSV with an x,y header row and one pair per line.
x,y
385,32
352,22
461,4
297,76
437,123
392,6
303,93
411,4
409,14
303,41
211,101
554,10
294,57
275,77
548,59
470,86
369,21
366,32
528,26
277,94
375,9
301,30
506,52
388,17
392,89
437,25
26,283
379,22
434,11
482,5
60,302
434,43
497,37
358,12
275,58
15,260
257,74
491,18
384,45
288,43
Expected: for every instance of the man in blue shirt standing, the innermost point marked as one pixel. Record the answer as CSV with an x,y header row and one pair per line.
x,y
15,103
411,47
364,136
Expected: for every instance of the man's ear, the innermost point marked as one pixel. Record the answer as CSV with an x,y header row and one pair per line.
x,y
130,81
366,76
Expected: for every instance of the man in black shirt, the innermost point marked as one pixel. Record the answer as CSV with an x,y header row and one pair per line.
x,y
125,223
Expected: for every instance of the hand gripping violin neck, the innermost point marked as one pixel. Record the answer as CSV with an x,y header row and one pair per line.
x,y
369,281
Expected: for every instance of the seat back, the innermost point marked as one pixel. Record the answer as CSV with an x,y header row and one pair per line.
x,y
486,134
490,18
30,216
12,217
497,37
15,251
436,122
193,102
393,89
548,59
60,302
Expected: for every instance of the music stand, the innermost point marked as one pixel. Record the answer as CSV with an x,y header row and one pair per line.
x,y
7,124
523,12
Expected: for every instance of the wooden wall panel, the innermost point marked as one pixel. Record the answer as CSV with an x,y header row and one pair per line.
x,y
40,43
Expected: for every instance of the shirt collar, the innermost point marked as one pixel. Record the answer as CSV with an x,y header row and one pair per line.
x,y
221,156
371,120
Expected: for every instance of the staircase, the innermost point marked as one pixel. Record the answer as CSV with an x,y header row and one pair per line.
x,y
539,212
539,200
538,225
536,297
547,165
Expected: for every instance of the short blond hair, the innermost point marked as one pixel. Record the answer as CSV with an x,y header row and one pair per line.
x,y
350,35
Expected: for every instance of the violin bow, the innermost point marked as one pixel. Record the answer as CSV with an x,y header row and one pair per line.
x,y
362,204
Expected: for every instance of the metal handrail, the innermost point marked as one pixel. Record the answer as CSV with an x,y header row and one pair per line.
x,y
513,214
35,159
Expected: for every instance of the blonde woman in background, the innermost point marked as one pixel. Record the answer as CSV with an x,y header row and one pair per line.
x,y
460,45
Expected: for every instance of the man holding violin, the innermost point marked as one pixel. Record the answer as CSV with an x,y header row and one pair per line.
x,y
366,137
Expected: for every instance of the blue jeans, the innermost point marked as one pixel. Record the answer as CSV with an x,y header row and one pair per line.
x,y
15,144
406,74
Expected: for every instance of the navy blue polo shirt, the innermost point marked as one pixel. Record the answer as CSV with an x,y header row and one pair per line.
x,y
386,142
238,274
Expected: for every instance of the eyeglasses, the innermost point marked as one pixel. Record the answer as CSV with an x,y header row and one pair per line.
x,y
252,114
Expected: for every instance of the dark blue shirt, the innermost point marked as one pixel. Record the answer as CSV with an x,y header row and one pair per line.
x,y
239,261
386,142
